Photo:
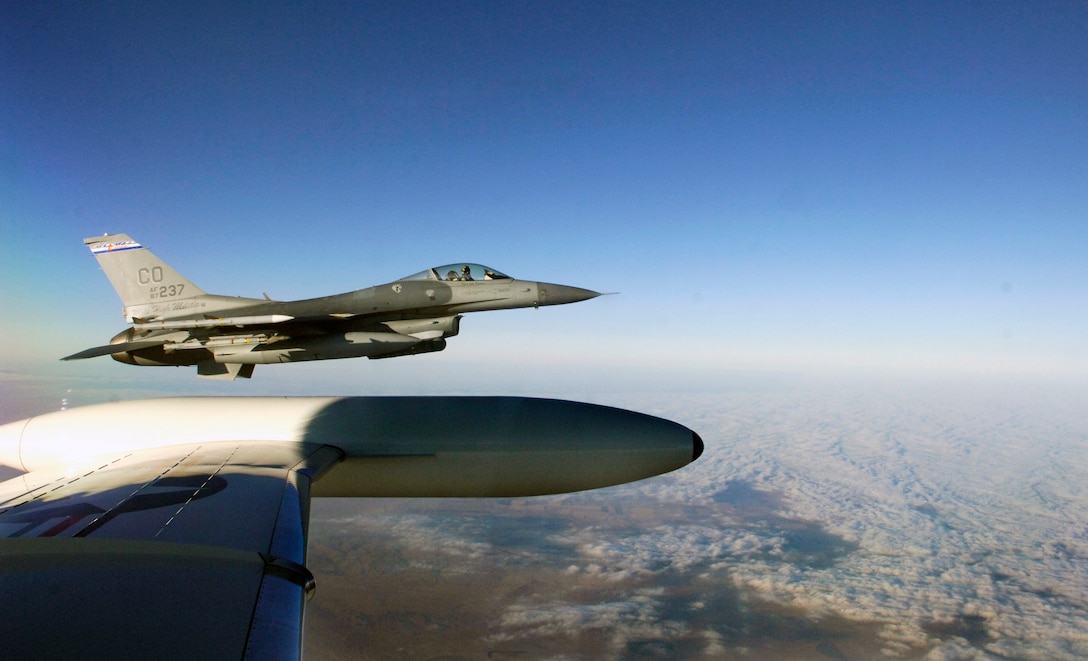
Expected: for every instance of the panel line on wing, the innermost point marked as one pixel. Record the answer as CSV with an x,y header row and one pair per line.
x,y
105,517
196,493
43,489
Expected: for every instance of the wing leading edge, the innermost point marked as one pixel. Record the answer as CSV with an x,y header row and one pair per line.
x,y
177,528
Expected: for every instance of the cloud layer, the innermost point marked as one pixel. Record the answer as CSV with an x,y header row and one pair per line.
x,y
842,523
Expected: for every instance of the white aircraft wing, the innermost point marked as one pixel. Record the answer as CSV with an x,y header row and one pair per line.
x,y
188,552
176,528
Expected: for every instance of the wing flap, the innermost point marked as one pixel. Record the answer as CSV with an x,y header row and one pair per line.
x,y
125,599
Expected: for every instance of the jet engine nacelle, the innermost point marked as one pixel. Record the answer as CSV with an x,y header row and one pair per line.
x,y
464,447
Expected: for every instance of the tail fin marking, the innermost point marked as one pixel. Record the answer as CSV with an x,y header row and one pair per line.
x,y
143,281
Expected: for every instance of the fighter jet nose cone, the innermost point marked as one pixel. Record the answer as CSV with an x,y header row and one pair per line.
x,y
696,446
559,294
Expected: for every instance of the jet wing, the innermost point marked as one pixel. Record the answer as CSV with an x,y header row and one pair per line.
x,y
187,552
176,528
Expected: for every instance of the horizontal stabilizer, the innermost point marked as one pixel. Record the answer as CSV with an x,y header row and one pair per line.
x,y
114,348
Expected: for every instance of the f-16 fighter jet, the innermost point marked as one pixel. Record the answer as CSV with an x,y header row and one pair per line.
x,y
176,323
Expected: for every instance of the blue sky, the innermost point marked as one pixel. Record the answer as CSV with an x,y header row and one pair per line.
x,y
883,187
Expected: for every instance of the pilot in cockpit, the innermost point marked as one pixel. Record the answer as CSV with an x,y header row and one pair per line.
x,y
466,272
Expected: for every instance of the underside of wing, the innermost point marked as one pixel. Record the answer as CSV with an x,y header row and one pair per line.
x,y
183,552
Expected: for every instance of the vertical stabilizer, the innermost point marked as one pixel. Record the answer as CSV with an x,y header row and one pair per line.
x,y
142,280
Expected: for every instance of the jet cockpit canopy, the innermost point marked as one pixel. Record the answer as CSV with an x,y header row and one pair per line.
x,y
459,271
